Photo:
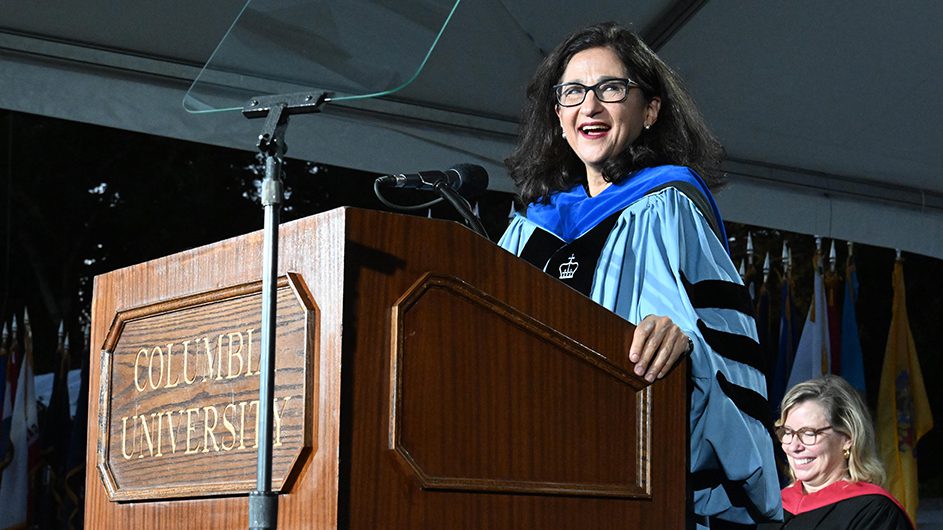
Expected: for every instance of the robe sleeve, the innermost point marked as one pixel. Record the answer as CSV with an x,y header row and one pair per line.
x,y
662,258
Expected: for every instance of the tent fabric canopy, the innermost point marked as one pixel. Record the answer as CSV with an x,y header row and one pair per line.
x,y
827,113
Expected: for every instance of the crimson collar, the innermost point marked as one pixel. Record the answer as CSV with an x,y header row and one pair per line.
x,y
795,501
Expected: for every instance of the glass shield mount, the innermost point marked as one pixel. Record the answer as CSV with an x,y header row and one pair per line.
x,y
353,49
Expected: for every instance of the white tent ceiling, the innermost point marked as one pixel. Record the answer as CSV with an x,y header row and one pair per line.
x,y
826,109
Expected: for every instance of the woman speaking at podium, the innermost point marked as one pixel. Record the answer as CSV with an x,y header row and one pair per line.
x,y
614,162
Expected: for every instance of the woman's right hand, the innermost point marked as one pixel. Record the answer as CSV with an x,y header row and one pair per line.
x,y
657,345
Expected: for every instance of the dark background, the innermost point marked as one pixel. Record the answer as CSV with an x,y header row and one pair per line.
x,y
79,200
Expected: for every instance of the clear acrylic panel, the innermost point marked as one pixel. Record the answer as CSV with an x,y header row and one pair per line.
x,y
352,48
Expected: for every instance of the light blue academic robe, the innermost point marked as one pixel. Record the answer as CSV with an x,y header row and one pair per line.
x,y
663,256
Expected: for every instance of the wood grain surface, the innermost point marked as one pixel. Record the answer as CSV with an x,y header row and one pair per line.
x,y
455,386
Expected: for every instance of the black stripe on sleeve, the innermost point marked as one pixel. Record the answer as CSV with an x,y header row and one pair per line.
x,y
732,346
749,401
718,294
736,493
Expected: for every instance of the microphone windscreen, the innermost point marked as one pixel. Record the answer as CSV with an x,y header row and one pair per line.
x,y
474,179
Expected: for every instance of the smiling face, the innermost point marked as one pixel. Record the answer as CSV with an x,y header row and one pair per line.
x,y
597,131
822,463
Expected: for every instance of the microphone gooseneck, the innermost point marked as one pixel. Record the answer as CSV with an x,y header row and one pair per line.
x,y
452,185
468,179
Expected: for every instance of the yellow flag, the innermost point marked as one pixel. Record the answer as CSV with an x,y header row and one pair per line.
x,y
903,410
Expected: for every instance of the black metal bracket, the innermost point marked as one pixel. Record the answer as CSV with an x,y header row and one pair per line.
x,y
298,103
276,110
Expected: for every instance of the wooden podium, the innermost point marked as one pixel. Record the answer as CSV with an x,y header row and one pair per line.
x,y
429,379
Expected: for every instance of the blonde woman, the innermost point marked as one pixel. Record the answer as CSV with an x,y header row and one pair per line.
x,y
826,433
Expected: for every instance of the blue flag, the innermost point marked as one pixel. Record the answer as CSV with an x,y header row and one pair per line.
x,y
852,363
788,338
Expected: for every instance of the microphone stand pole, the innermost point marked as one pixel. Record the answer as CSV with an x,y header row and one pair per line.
x,y
263,503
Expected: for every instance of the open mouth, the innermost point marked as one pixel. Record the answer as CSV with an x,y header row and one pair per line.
x,y
594,130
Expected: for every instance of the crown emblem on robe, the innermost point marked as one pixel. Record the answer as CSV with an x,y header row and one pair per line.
x,y
568,269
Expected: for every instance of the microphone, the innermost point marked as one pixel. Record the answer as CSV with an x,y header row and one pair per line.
x,y
469,180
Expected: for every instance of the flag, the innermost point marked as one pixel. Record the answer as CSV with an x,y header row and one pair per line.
x,y
56,423
74,500
32,415
4,345
14,490
6,410
833,284
812,353
788,338
766,331
903,410
765,334
852,359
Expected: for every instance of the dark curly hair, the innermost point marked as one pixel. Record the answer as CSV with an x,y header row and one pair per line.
x,y
543,162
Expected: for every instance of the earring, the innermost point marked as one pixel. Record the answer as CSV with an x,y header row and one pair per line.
x,y
563,134
846,453
648,126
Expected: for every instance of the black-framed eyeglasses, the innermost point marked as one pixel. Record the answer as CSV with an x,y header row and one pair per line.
x,y
607,91
806,436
